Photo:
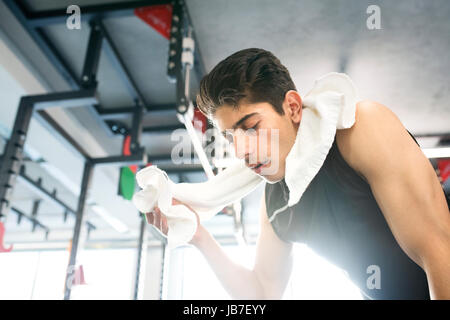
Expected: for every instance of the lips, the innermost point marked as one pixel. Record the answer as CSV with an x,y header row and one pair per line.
x,y
258,166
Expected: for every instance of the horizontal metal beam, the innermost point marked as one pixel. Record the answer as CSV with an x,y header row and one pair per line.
x,y
138,158
88,12
122,113
180,169
443,135
66,99
168,157
163,129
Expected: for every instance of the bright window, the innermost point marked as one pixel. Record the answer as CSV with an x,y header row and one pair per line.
x,y
312,276
109,274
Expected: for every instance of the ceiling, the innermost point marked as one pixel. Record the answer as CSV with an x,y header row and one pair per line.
x,y
404,65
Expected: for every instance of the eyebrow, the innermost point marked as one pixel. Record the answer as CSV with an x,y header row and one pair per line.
x,y
241,121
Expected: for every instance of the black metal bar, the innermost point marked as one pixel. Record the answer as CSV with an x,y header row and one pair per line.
x,y
91,60
34,211
142,252
31,219
136,128
442,135
121,113
140,157
66,99
161,278
90,225
174,66
85,183
177,170
13,154
168,157
119,128
164,129
110,10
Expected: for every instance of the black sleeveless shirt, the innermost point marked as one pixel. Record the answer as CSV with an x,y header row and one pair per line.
x,y
339,218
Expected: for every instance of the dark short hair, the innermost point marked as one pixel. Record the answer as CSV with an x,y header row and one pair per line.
x,y
252,75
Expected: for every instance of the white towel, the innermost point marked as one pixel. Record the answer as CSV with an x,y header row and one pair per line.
x,y
329,105
206,198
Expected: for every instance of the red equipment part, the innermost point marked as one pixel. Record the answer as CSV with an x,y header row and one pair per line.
x,y
159,17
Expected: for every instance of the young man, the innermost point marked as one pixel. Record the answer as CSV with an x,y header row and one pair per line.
x,y
376,204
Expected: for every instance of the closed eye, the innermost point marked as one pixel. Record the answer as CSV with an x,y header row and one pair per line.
x,y
254,127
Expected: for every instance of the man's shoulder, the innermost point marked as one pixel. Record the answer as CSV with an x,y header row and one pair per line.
x,y
373,123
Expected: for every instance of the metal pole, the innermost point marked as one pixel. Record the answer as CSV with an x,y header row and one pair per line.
x,y
87,177
141,259
91,60
185,105
136,127
13,154
164,270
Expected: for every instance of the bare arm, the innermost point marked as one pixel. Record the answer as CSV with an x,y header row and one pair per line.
x,y
271,271
405,187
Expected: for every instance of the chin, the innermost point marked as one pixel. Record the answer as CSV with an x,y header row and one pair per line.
x,y
273,178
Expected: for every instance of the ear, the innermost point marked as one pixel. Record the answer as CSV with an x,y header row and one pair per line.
x,y
293,106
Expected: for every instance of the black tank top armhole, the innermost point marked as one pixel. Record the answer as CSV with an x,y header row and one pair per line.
x,y
344,163
413,138
269,212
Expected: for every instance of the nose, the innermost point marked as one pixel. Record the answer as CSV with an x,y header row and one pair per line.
x,y
239,149
244,146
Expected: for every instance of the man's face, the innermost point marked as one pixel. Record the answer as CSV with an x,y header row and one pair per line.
x,y
260,135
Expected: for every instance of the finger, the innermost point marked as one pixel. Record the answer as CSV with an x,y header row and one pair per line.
x,y
158,212
164,226
157,220
161,217
149,216
176,202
